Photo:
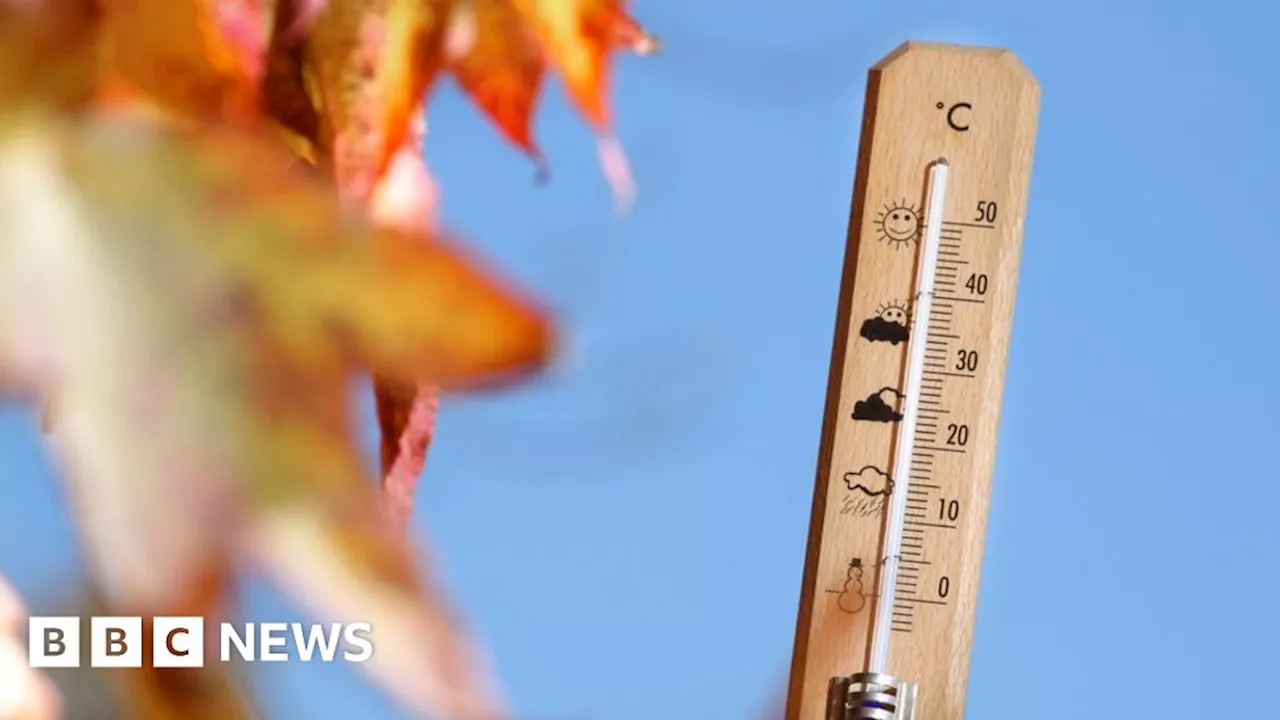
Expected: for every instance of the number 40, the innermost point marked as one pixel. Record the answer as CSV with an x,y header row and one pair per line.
x,y
976,284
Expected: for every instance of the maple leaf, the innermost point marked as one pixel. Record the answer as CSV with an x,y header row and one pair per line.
x,y
503,68
579,36
364,82
373,62
202,306
209,299
203,58
401,193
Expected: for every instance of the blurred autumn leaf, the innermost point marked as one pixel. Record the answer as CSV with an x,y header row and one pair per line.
x,y
193,302
203,307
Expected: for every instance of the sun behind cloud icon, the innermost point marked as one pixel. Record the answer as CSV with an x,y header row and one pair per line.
x,y
890,324
899,223
893,313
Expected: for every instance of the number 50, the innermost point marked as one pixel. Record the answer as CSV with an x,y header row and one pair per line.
x,y
986,211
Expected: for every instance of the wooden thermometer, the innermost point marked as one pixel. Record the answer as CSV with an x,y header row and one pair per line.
x,y
917,375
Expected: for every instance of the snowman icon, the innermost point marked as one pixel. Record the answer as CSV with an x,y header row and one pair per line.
x,y
851,598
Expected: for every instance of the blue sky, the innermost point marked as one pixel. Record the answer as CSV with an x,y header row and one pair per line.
x,y
628,534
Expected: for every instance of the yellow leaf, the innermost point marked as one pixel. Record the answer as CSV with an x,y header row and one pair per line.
x,y
373,63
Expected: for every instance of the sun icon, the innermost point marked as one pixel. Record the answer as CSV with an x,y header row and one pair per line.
x,y
899,223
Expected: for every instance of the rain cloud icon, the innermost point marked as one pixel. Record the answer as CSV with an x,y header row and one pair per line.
x,y
870,480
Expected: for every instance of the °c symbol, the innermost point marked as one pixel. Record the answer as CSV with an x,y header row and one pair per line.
x,y
953,119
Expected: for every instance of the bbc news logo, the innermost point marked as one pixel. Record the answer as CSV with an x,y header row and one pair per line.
x,y
179,642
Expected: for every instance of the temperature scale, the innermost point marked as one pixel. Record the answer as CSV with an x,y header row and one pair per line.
x,y
917,376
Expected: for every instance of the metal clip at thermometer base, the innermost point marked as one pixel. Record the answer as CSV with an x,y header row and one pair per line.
x,y
871,696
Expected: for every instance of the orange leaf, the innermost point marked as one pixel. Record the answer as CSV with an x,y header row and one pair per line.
x,y
204,57
578,37
373,63
631,35
58,42
294,18
503,69
412,59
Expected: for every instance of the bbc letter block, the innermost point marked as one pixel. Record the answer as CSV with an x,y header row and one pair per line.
x,y
53,642
115,642
177,642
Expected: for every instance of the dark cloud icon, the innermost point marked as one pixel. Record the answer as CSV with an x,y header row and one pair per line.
x,y
875,409
870,480
889,324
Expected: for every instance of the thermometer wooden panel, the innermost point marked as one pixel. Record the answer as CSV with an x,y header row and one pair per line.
x,y
952,127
